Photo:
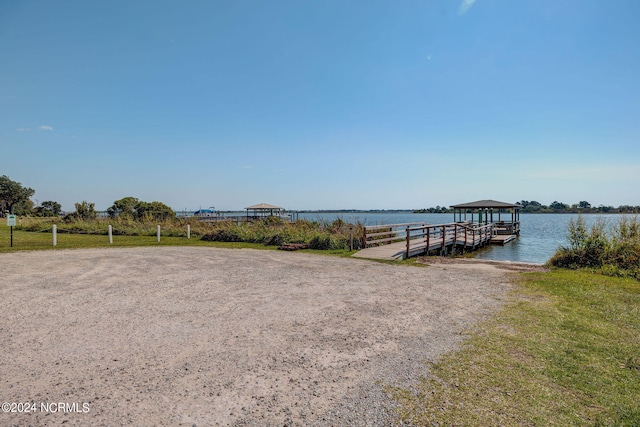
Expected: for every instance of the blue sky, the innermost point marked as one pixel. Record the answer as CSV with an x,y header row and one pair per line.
x,y
321,104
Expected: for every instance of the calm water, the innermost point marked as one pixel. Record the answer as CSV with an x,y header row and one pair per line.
x,y
540,235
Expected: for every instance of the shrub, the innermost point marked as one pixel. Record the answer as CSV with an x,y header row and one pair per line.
x,y
222,235
84,211
616,254
275,240
328,242
320,242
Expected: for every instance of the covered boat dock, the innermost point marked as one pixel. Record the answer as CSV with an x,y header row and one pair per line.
x,y
505,217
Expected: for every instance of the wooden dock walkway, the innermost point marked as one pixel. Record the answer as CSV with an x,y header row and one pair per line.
x,y
401,241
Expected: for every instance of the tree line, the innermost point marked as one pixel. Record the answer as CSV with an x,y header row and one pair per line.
x,y
555,207
16,199
581,207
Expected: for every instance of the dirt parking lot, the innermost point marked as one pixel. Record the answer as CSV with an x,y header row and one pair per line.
x,y
204,336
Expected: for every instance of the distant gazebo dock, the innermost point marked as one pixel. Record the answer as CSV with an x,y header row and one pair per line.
x,y
263,210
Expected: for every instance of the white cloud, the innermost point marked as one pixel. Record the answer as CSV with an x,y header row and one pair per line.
x,y
465,6
44,127
23,129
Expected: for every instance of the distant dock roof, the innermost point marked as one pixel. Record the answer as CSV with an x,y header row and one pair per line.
x,y
264,206
486,204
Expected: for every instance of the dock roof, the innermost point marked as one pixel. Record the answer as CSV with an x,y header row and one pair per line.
x,y
264,206
486,204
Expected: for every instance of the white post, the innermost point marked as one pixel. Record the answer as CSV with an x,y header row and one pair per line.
x,y
188,231
55,235
110,234
158,234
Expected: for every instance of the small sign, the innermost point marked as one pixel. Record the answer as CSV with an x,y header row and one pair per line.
x,y
11,220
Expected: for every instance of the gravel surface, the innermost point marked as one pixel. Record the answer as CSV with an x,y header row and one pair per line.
x,y
204,336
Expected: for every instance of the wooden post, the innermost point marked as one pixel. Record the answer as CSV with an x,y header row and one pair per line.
x,y
444,236
466,233
455,235
428,239
188,231
55,235
408,242
110,234
158,234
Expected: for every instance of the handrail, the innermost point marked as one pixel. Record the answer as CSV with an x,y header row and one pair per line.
x,y
373,227
444,235
386,233
428,237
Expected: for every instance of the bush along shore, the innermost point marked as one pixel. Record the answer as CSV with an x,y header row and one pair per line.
x,y
612,250
270,231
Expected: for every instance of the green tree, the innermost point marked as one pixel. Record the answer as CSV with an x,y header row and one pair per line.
x,y
132,208
24,207
584,205
153,211
84,210
48,208
535,206
124,208
14,197
558,206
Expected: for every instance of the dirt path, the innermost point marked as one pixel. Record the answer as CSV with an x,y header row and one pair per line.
x,y
204,336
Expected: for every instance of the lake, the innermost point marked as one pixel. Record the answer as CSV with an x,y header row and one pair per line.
x,y
540,235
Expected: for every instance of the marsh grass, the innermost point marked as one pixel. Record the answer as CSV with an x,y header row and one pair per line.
x,y
563,351
121,226
613,250
36,233
273,231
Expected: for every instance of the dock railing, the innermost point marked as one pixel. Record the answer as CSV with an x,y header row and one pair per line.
x,y
420,238
507,227
376,235
425,238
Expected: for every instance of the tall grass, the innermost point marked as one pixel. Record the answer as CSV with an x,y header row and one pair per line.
x,y
614,250
273,231
120,226
269,231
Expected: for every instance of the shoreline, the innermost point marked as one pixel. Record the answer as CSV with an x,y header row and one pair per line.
x,y
501,264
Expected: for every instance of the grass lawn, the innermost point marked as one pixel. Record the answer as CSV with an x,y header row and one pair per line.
x,y
564,351
25,240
